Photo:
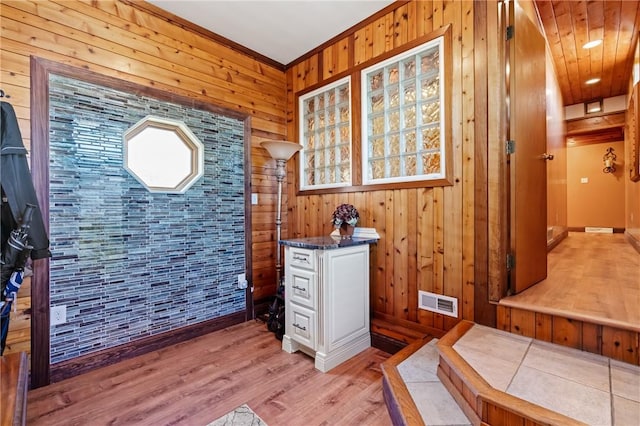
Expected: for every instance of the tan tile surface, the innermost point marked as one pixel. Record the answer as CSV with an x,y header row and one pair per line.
x,y
625,412
625,381
436,405
422,365
495,343
581,367
563,396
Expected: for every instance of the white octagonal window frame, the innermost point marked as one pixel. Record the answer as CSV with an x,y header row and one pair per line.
x,y
163,155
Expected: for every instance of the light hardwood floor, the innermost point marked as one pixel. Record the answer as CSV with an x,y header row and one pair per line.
x,y
195,382
591,277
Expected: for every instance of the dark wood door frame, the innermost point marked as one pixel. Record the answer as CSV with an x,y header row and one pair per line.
x,y
40,299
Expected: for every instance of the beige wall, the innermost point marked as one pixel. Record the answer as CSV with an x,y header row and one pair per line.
x,y
556,168
600,202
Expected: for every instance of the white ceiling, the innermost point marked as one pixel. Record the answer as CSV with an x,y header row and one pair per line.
x,y
280,30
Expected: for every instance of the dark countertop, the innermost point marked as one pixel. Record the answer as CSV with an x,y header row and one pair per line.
x,y
326,243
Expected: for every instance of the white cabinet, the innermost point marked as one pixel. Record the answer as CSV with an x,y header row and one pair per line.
x,y
327,302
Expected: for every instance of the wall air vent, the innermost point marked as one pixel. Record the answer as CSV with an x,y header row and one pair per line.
x,y
438,303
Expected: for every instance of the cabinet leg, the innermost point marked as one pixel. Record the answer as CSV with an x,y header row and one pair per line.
x,y
289,345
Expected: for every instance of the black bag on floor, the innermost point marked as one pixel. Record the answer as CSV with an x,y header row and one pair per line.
x,y
275,321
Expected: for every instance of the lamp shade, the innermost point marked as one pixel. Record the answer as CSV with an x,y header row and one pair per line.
x,y
281,150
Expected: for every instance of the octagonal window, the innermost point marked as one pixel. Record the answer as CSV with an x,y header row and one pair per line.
x,y
163,155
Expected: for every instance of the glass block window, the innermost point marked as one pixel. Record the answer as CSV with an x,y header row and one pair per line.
x,y
403,117
325,135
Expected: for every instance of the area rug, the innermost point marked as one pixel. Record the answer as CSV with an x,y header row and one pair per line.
x,y
241,416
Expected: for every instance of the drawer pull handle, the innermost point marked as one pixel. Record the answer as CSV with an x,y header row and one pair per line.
x,y
301,258
299,288
298,326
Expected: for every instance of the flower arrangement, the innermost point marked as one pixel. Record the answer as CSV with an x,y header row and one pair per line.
x,y
345,213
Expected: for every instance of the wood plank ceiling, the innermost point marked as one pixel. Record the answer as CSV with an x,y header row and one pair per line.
x,y
570,24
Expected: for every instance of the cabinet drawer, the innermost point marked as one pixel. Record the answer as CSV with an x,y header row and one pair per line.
x,y
301,258
301,325
301,287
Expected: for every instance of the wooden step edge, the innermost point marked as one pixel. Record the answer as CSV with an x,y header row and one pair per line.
x,y
402,409
472,392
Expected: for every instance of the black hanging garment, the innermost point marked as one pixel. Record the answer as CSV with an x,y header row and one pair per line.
x,y
22,230
17,186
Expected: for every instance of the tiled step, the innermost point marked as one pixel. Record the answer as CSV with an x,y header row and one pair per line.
x,y
413,392
502,378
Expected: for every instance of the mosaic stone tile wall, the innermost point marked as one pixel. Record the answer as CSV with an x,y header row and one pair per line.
x,y
128,263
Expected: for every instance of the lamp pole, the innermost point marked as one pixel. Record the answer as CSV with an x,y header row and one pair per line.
x,y
280,151
280,174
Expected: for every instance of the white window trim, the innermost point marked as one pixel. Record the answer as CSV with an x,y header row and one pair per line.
x,y
301,128
440,43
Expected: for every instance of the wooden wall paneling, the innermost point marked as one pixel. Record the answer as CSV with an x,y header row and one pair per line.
x,y
425,252
390,289
118,39
567,332
329,62
523,322
362,45
80,17
620,344
105,53
400,268
138,15
305,74
401,26
544,327
483,311
438,249
382,36
345,54
412,254
453,194
377,208
496,113
592,338
427,234
468,163
503,318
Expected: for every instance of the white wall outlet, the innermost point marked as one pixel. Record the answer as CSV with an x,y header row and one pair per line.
x,y
242,281
584,180
58,315
254,198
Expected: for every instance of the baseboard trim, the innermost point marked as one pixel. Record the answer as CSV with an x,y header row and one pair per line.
x,y
633,240
551,244
582,228
84,364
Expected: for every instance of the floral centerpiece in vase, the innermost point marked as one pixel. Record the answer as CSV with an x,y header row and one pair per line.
x,y
345,217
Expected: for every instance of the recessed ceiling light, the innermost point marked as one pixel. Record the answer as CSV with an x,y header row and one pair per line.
x,y
592,43
592,81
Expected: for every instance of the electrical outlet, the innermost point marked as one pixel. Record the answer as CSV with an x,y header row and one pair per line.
x,y
254,198
242,281
58,314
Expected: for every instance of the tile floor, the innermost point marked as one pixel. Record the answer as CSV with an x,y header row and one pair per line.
x,y
590,388
433,400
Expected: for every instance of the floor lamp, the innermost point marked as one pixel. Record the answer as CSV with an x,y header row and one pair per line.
x,y
280,151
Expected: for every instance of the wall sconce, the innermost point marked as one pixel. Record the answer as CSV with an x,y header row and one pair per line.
x,y
609,159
